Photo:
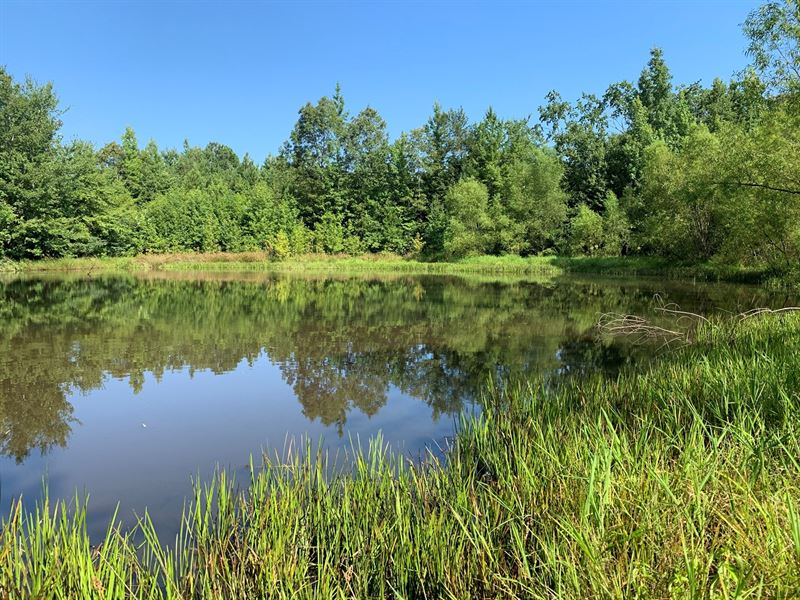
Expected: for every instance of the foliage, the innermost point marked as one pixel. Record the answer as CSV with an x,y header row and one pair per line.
x,y
616,229
758,173
586,232
280,247
774,33
646,167
299,239
329,234
683,205
468,228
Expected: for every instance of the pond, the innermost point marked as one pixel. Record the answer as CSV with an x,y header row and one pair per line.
x,y
126,387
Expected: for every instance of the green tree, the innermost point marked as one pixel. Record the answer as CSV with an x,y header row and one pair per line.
x,y
442,144
669,118
101,213
316,154
183,220
616,229
367,167
469,224
409,210
533,200
485,151
300,239
131,167
155,176
280,248
248,173
774,33
748,98
579,135
29,124
266,215
625,153
684,214
7,226
757,175
329,234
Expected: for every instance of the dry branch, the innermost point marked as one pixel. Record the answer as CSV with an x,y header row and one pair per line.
x,y
618,324
643,330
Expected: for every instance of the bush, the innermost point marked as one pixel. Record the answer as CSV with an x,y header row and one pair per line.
x,y
616,229
6,223
329,234
280,247
586,232
417,245
299,239
353,245
468,225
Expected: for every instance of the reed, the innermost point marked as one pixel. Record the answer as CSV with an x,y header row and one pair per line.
x,y
679,480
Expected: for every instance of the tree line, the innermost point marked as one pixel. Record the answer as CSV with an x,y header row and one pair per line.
x,y
647,167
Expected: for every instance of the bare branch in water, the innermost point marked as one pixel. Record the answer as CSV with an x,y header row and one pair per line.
x,y
642,330
617,324
682,314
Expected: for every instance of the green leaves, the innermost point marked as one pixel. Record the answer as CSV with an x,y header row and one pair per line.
x,y
469,224
702,173
586,232
774,33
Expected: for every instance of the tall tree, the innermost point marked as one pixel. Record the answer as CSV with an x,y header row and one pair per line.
x,y
29,124
579,135
443,146
668,116
485,148
131,167
155,176
315,151
366,161
469,226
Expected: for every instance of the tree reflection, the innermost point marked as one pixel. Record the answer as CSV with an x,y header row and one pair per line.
x,y
340,343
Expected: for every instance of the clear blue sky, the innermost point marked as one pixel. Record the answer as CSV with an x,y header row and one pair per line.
x,y
237,72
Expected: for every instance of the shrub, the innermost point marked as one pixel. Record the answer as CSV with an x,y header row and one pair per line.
x,y
280,247
468,222
586,232
329,234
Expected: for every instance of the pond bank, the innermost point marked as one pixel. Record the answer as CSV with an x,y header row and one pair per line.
x,y
679,480
386,263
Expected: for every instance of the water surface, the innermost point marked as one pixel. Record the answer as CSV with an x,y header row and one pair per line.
x,y
124,387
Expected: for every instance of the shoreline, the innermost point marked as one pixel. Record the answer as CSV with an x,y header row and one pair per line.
x,y
384,263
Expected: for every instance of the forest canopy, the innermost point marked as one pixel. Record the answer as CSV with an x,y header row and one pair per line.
x,y
647,167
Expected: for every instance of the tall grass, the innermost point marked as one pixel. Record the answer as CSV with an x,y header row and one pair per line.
x,y
681,480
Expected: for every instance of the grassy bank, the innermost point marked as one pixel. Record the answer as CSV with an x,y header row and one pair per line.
x,y
316,263
681,481
383,263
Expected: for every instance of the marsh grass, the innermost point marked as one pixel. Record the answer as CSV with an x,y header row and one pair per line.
x,y
678,481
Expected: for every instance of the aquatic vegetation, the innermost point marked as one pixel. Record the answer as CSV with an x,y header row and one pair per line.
x,y
681,480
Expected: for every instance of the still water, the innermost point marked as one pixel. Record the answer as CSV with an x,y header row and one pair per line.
x,y
126,387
